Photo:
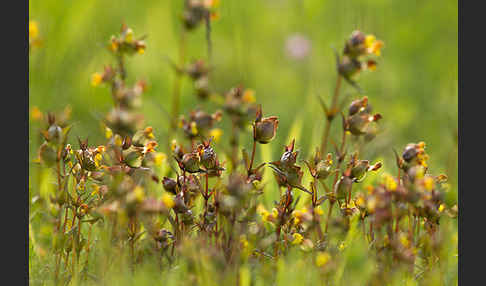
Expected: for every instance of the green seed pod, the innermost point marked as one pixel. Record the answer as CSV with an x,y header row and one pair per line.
x,y
360,169
342,187
323,170
47,154
266,129
133,156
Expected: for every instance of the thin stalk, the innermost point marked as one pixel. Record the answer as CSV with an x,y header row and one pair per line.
x,y
178,84
330,116
252,157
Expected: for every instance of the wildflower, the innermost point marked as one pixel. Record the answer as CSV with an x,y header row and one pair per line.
x,y
35,113
249,96
216,134
149,147
243,241
168,201
342,246
390,183
297,46
318,210
159,158
108,132
373,46
428,183
322,258
404,240
139,194
297,238
441,208
33,29
96,79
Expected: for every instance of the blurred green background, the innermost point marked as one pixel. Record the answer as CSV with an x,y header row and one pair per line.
x,y
414,88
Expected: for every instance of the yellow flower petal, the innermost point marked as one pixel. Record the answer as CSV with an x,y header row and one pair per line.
x,y
168,201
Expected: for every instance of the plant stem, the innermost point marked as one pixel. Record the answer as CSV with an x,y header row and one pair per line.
x,y
329,213
178,84
330,116
252,157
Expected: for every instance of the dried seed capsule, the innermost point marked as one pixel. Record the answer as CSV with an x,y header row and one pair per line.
x,y
170,185
55,133
208,157
266,129
358,105
190,162
409,153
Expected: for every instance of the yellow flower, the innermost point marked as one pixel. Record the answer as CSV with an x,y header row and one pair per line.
x,y
319,210
360,202
322,258
173,145
193,128
118,140
159,158
390,182
114,46
429,183
216,134
149,147
243,241
441,208
108,133
371,204
96,190
297,238
369,40
342,246
138,193
141,51
101,149
96,79
168,201
33,29
404,240
35,113
249,96
372,45
149,132
98,158
129,35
